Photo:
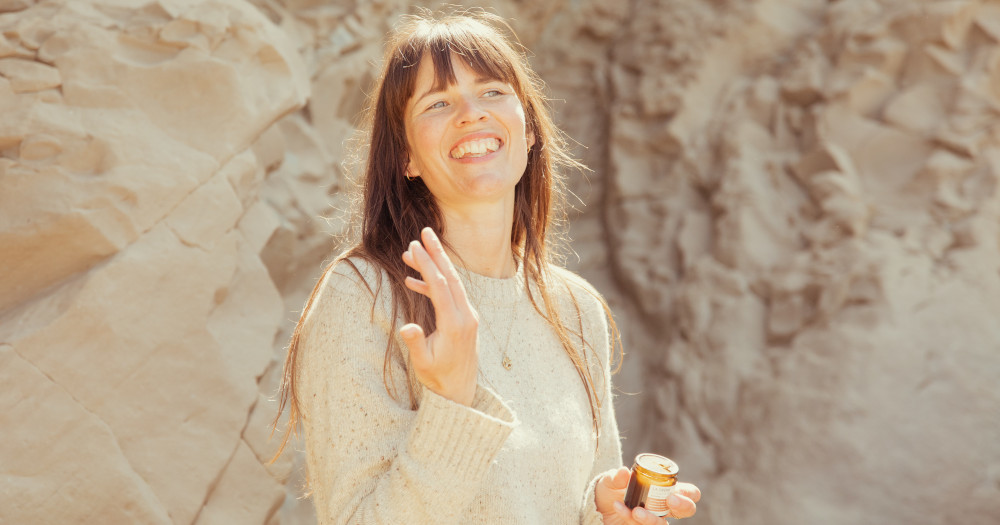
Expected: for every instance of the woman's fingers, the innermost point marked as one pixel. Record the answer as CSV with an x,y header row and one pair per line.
x,y
624,515
690,491
437,284
417,286
416,342
638,515
440,267
645,517
408,259
609,489
433,245
411,282
435,248
681,506
446,360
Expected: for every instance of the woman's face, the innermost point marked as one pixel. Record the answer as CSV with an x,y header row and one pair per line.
x,y
467,141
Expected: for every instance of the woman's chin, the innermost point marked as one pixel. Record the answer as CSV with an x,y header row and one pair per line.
x,y
488,186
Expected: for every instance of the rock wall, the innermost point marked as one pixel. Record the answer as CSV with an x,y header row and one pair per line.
x,y
793,210
137,314
802,217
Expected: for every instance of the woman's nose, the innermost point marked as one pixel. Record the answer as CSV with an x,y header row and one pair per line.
x,y
470,111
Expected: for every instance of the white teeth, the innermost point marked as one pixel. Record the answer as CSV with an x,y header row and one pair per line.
x,y
475,148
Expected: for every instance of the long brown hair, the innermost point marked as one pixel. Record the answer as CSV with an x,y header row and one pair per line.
x,y
394,208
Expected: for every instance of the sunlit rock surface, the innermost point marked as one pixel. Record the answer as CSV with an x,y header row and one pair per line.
x,y
793,211
138,314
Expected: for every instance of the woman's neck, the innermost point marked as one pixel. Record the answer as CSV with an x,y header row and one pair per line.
x,y
480,241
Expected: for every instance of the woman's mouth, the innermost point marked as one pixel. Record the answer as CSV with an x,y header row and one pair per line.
x,y
475,148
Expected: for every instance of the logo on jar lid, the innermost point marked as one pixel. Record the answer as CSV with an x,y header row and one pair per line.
x,y
657,464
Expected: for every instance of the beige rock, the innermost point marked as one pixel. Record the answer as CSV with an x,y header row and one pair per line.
x,y
793,212
805,84
85,138
131,230
920,108
14,5
39,147
867,95
988,20
947,21
841,269
27,76
244,494
67,463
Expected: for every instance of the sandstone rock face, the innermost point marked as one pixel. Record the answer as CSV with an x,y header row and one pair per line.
x,y
137,312
793,211
823,182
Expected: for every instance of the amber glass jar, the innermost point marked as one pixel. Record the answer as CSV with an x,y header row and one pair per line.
x,y
652,482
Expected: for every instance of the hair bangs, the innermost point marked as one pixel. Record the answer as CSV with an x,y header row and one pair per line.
x,y
480,53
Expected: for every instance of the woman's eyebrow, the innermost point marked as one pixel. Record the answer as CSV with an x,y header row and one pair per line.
x,y
436,88
487,80
439,88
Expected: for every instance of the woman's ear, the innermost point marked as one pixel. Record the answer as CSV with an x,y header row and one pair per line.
x,y
530,137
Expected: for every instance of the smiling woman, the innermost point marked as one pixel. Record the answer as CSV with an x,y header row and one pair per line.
x,y
468,137
492,403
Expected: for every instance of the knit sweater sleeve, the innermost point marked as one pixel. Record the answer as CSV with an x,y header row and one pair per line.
x,y
371,458
609,451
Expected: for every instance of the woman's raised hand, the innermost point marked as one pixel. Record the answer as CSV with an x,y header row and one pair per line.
x,y
445,361
609,495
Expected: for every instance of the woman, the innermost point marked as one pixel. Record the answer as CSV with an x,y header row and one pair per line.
x,y
493,403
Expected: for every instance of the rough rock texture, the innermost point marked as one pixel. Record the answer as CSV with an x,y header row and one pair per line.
x,y
823,181
137,314
793,210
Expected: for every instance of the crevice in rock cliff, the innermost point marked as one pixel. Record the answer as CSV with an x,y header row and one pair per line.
x,y
215,481
97,418
214,484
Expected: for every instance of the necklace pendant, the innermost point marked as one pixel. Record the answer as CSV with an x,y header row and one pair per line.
x,y
507,363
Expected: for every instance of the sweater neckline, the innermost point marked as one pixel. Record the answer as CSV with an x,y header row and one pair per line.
x,y
493,291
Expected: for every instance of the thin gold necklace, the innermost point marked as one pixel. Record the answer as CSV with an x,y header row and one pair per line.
x,y
505,361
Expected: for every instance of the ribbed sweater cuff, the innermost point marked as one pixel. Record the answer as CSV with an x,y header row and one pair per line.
x,y
489,403
460,440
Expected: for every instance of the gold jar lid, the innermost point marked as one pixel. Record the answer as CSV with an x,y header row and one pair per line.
x,y
657,467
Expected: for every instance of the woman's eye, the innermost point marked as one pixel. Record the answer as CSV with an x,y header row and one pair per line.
x,y
437,105
493,93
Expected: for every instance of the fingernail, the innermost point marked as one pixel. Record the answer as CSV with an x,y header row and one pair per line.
x,y
620,507
642,513
673,501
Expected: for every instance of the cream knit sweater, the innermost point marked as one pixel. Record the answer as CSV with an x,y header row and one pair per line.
x,y
524,453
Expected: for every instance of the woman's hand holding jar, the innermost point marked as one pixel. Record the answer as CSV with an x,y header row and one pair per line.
x,y
609,495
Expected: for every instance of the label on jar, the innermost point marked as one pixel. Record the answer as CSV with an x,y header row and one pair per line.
x,y
656,499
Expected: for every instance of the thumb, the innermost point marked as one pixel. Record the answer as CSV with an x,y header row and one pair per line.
x,y
618,480
614,480
416,343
